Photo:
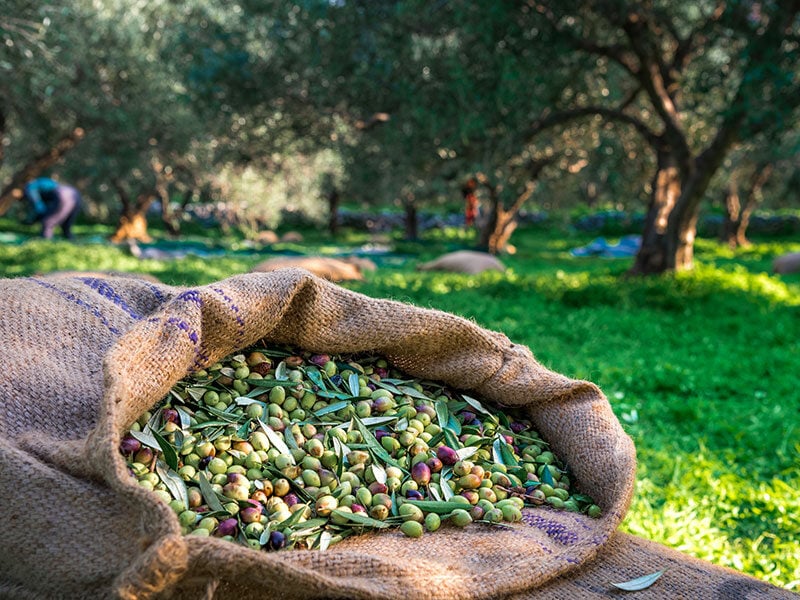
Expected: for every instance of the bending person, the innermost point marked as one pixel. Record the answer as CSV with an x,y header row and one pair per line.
x,y
53,204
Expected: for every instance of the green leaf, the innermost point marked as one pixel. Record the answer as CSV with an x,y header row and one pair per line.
x,y
475,404
174,483
451,439
354,384
362,519
466,452
209,495
442,413
291,521
275,439
378,472
413,392
281,371
447,493
185,418
289,437
331,408
196,393
270,383
168,452
454,425
547,476
375,446
640,583
387,386
440,508
146,438
324,540
316,378
370,421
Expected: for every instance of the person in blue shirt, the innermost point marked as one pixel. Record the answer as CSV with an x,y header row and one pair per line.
x,y
53,204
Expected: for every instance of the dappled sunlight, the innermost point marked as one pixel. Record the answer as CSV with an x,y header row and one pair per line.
x,y
711,509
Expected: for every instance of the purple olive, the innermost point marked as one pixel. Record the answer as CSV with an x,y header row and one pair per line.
x,y
377,487
291,499
434,464
447,455
414,495
227,527
421,473
171,415
467,416
357,508
129,445
319,359
518,427
276,540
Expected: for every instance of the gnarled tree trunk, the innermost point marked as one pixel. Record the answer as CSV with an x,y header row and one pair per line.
x,y
133,221
737,217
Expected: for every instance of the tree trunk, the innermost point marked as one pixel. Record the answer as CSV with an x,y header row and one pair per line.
x,y
737,218
656,253
411,220
333,212
501,222
13,191
133,221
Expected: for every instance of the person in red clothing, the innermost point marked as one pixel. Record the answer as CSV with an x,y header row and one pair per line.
x,y
471,204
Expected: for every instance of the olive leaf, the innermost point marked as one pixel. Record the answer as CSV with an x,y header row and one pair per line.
x,y
325,540
475,404
316,378
466,452
168,452
547,476
375,446
354,384
209,495
275,439
413,392
146,438
362,519
174,483
336,406
640,583
281,371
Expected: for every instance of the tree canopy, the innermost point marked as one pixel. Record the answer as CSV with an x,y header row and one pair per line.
x,y
399,102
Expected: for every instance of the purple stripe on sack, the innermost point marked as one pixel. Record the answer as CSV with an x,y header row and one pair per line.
x,y
156,292
235,309
191,296
80,302
103,288
555,531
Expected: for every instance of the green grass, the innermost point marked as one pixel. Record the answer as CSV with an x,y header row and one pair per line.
x,y
701,368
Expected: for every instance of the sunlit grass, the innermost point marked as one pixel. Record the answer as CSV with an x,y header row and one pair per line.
x,y
701,367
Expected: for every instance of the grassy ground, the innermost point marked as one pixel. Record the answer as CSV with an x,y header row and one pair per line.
x,y
700,368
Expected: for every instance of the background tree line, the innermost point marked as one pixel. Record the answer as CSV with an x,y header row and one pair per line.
x,y
661,106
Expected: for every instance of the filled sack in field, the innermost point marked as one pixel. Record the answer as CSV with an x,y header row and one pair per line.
x,y
267,237
332,269
470,262
294,237
787,263
84,357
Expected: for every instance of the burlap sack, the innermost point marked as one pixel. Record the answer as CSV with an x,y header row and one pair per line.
x,y
469,262
332,269
84,357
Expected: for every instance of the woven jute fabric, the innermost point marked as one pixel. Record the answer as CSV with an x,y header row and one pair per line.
x,y
83,357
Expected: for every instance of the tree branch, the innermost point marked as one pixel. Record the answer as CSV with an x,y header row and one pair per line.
x,y
611,114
